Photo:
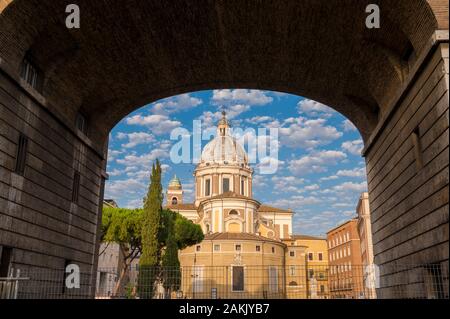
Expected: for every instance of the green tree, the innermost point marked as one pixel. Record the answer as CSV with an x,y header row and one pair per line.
x,y
177,232
170,262
124,227
150,258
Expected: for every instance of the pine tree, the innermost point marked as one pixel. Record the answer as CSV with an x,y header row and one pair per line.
x,y
150,258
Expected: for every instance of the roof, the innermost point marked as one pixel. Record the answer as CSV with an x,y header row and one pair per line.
x,y
266,208
344,223
187,206
230,195
110,203
306,237
239,236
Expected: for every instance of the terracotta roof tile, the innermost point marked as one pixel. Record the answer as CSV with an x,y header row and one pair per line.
x,y
306,237
266,208
187,206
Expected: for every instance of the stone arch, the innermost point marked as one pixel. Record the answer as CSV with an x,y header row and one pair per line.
x,y
126,56
232,53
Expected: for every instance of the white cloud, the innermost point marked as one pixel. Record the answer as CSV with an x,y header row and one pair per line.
x,y
313,108
348,126
124,188
209,119
158,124
338,205
259,181
116,172
349,213
353,147
144,160
259,119
312,187
112,154
251,97
295,202
356,172
307,133
182,102
350,186
316,162
135,203
329,178
135,138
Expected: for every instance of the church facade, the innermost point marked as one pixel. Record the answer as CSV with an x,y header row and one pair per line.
x,y
248,245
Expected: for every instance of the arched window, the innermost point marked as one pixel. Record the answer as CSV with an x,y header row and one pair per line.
x,y
233,213
174,201
293,283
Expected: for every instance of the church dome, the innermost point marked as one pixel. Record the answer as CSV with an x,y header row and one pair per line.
x,y
224,149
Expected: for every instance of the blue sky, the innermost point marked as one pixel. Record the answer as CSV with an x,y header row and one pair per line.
x,y
320,171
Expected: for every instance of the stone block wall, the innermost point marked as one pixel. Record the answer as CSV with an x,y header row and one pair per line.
x,y
408,183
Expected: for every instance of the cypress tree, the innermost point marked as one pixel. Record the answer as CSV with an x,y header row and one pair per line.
x,y
150,257
170,261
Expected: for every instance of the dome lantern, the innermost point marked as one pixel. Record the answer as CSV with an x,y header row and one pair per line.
x,y
224,149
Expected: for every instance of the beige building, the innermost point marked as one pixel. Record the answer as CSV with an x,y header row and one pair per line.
x,y
365,235
344,255
247,244
312,276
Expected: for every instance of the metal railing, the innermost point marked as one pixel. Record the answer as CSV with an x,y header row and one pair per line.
x,y
9,286
235,282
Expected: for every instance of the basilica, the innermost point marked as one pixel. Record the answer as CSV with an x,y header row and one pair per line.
x,y
247,244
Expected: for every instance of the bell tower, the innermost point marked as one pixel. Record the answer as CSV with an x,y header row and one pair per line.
x,y
174,192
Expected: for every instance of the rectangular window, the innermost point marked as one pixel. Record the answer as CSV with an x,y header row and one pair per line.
x,y
292,270
310,256
320,256
216,247
22,147
292,253
273,279
258,248
243,186
311,273
81,123
5,261
417,148
225,185
237,247
238,278
31,74
322,289
207,187
198,247
76,187
273,250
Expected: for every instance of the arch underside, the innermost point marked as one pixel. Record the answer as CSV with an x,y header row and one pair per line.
x,y
130,53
